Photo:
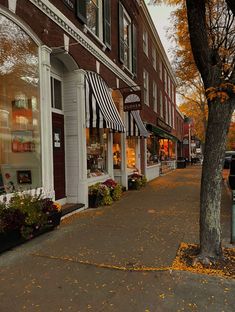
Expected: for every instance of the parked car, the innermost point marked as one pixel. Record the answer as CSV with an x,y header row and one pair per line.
x,y
227,158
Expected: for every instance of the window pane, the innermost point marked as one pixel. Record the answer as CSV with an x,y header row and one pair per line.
x,y
97,152
57,94
131,152
92,16
20,153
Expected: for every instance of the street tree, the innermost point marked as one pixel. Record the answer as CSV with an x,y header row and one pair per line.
x,y
211,28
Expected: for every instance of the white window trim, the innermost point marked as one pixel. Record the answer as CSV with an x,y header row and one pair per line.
x,y
154,57
127,16
53,109
145,41
146,83
154,96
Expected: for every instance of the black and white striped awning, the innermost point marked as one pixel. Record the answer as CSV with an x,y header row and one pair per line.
x,y
135,126
101,111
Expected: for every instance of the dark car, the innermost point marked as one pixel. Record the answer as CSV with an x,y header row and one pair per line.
x,y
227,158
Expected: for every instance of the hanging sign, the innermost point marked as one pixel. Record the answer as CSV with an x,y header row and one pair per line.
x,y
132,100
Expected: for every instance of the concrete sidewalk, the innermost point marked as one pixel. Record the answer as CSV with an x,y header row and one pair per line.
x,y
87,264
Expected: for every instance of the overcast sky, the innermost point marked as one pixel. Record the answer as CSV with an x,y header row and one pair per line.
x,y
161,18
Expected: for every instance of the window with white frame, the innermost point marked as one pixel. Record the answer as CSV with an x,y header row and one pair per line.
x,y
173,116
165,78
170,113
146,87
95,14
154,96
169,86
56,93
154,56
161,103
166,111
145,42
127,40
160,69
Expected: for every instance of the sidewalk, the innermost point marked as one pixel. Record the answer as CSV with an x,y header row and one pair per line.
x,y
87,264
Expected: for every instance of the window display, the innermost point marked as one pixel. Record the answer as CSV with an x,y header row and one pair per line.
x,y
117,151
19,108
131,152
97,152
152,150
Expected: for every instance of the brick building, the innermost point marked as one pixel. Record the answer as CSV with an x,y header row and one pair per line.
x,y
71,114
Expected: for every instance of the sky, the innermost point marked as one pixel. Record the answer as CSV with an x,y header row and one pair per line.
x,y
160,15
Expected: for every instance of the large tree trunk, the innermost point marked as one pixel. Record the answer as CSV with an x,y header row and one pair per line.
x,y
217,128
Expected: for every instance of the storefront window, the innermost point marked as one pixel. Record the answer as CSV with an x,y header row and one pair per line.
x,y
20,153
117,151
152,151
97,152
167,149
131,152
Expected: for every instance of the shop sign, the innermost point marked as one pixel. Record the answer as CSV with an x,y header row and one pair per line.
x,y
132,100
163,125
70,3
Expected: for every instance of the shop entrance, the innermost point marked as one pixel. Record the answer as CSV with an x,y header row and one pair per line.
x,y
58,155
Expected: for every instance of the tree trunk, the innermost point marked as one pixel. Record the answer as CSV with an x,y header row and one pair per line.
x,y
217,128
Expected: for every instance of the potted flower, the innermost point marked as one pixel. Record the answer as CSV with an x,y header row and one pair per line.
x,y
114,188
94,195
136,181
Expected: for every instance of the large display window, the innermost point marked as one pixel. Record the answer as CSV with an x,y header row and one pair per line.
x,y
97,152
131,143
20,152
117,159
152,150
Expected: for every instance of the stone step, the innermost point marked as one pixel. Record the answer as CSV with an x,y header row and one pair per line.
x,y
68,208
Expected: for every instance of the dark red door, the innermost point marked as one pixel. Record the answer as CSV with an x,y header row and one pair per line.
x,y
58,155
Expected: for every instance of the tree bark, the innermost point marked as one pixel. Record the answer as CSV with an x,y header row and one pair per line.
x,y
217,128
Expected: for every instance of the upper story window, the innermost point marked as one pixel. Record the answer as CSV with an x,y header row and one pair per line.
x,y
161,103
127,40
145,42
146,87
160,69
154,96
166,111
154,57
173,116
96,15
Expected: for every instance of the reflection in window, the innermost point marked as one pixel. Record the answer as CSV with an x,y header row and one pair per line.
x,y
19,108
93,16
97,152
117,151
152,150
131,152
56,93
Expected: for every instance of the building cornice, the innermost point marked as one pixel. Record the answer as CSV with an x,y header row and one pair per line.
x,y
61,20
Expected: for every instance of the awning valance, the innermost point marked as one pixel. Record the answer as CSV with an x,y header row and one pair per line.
x,y
161,133
135,125
101,111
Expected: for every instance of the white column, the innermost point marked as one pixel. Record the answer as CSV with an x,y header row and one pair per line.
x,y
46,120
82,148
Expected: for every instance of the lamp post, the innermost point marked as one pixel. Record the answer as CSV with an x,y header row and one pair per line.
x,y
189,142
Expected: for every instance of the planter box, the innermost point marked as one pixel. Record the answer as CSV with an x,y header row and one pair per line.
x,y
13,238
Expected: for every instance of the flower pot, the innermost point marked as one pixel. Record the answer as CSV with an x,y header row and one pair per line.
x,y
94,200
